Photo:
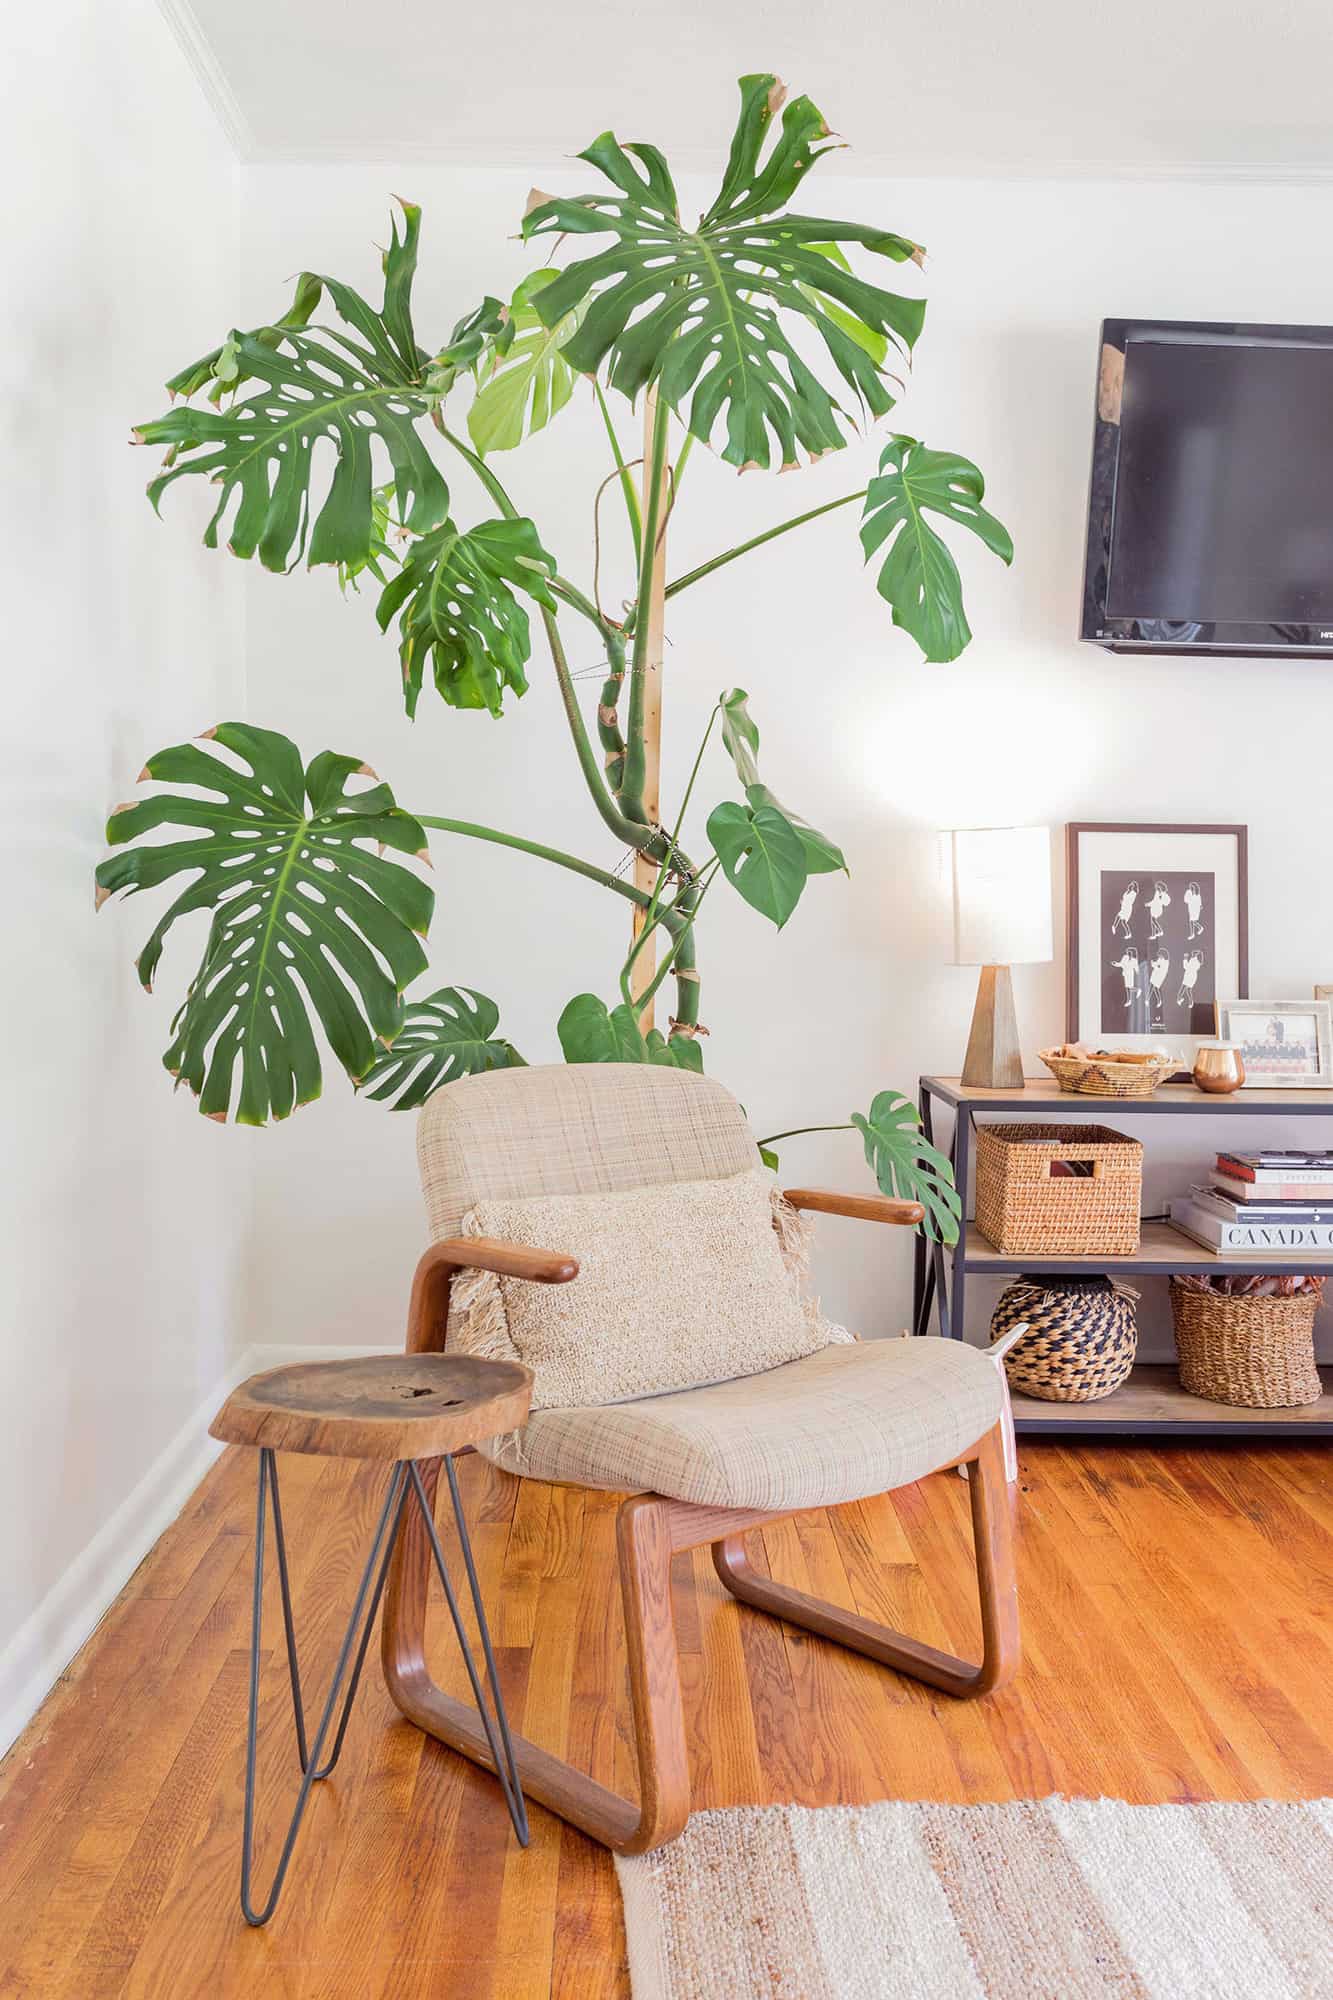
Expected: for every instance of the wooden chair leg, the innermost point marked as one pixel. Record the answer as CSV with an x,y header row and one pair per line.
x,y
992,1533
645,1544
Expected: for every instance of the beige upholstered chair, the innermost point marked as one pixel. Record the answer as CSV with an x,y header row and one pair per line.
x,y
701,1465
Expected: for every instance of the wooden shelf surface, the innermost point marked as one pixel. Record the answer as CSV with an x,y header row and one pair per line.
x,y
1042,1094
1152,1398
1161,1249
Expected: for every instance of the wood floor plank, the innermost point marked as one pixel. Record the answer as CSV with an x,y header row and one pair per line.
x,y
1176,1642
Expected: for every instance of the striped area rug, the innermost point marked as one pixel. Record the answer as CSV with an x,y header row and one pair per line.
x,y
1062,1899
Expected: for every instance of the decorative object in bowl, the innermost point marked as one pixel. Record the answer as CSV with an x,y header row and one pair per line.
x,y
1219,1068
1109,1072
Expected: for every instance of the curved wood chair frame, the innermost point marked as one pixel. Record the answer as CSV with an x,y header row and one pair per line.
x,y
651,1529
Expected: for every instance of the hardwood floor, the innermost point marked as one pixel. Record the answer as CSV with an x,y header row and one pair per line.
x,y
1177,1646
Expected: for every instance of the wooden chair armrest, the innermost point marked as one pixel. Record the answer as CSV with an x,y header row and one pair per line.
x,y
511,1260
428,1309
861,1207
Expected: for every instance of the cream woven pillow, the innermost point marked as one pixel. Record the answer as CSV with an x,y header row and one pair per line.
x,y
679,1285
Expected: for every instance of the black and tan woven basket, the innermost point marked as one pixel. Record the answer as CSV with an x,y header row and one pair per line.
x,y
1083,1333
1255,1352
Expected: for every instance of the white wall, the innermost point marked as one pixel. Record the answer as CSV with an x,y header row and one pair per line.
x,y
123,1213
858,734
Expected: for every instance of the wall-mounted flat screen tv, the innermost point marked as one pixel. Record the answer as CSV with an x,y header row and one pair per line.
x,y
1210,521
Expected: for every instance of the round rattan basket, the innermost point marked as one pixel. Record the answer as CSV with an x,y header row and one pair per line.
x,y
1082,1338
1108,1076
1255,1352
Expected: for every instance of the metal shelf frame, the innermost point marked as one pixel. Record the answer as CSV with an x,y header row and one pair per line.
x,y
940,1275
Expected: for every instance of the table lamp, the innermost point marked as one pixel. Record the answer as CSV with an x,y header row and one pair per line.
x,y
1001,917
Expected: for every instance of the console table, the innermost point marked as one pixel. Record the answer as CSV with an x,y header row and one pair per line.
x,y
1151,1401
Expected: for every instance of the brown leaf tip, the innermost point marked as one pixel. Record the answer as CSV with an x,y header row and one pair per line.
x,y
100,896
423,854
364,771
216,1117
777,96
919,256
537,198
143,776
207,735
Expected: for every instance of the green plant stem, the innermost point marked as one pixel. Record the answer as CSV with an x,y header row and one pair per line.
x,y
644,839
744,548
609,733
480,468
588,869
635,756
799,1132
674,848
626,478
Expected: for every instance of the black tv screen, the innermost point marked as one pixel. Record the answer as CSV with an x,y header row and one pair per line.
x,y
1211,514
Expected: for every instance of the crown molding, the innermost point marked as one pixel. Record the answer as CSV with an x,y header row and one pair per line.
x,y
222,100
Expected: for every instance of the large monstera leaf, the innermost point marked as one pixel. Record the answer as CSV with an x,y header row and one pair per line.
x,y
319,391
449,1035
308,916
918,575
705,311
905,1163
459,614
592,1032
529,380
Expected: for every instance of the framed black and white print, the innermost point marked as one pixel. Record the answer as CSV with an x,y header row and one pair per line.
x,y
1157,933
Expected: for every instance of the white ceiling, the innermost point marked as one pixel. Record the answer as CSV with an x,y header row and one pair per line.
x,y
1234,88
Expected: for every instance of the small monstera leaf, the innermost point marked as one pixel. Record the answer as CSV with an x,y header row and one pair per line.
x,y
918,576
451,1034
307,915
531,380
740,733
905,1163
317,387
459,615
590,1032
702,310
762,854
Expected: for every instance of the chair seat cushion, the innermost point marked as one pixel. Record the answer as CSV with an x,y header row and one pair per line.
x,y
847,1422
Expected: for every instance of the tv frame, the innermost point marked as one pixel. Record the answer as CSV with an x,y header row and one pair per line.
x,y
1139,635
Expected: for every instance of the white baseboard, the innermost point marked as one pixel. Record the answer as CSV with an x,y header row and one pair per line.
x,y
48,1640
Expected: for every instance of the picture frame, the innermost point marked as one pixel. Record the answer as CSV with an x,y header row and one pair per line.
x,y
1285,1044
1157,932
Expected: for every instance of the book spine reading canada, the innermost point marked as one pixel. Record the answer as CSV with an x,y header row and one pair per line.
x,y
1217,1234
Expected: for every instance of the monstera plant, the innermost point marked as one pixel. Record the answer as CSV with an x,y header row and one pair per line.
x,y
334,435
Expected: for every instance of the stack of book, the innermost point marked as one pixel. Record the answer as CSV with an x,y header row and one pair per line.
x,y
1272,1201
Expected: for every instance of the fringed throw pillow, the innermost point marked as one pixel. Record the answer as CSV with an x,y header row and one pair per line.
x,y
679,1285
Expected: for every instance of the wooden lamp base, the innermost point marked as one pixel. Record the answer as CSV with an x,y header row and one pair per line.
x,y
993,1060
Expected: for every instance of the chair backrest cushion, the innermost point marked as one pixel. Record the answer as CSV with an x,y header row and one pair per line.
x,y
574,1128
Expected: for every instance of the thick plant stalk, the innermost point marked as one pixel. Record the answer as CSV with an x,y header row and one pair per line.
x,y
645,757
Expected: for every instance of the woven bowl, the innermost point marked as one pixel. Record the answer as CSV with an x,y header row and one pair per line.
x,y
1081,1340
1099,1076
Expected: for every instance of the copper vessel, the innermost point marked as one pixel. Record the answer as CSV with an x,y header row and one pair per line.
x,y
1219,1068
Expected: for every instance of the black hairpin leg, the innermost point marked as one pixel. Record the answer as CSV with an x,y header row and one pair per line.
x,y
403,1480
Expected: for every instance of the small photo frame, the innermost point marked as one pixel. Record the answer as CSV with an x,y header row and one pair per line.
x,y
1285,1044
1157,933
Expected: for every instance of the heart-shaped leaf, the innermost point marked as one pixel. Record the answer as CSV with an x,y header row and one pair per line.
x,y
530,381
740,733
449,1035
318,387
762,854
307,914
906,1165
919,576
460,615
590,1032
704,311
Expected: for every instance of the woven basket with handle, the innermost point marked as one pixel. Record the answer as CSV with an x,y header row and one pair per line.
x,y
1256,1352
1050,1190
1081,1339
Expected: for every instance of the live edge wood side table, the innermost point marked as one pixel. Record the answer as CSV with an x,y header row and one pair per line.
x,y
1150,1403
400,1409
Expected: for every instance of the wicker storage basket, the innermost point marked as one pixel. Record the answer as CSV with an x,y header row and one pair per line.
x,y
1027,1207
1103,1076
1082,1339
1257,1352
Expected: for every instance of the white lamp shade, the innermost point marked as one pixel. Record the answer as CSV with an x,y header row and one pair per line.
x,y
1001,895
